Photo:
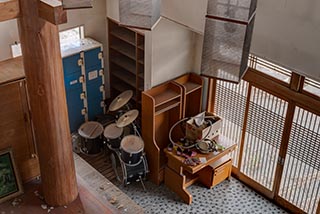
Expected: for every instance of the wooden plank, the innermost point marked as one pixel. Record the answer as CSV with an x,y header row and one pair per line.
x,y
52,11
103,187
284,146
296,82
44,73
76,4
245,122
9,10
282,91
211,95
11,70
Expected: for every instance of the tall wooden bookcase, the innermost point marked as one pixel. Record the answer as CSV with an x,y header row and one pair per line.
x,y
162,107
126,60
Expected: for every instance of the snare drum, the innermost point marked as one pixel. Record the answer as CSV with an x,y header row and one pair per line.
x,y
91,142
135,173
131,149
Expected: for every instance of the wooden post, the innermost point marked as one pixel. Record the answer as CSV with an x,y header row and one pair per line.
x,y
43,67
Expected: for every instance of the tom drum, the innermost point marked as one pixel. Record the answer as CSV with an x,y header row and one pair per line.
x,y
91,133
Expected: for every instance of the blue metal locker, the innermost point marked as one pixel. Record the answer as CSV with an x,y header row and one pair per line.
x,y
84,80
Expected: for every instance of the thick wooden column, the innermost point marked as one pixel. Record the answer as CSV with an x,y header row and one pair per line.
x,y
43,67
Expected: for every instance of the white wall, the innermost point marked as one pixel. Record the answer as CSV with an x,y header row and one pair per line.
x,y
190,13
288,32
93,19
8,35
172,51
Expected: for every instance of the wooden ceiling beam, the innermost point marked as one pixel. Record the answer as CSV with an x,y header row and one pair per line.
x,y
52,11
9,10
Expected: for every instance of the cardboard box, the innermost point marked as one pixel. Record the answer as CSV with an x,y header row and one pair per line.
x,y
208,130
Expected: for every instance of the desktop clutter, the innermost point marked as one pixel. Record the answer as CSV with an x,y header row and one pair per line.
x,y
198,137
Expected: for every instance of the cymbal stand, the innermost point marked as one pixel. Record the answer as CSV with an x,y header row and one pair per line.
x,y
135,129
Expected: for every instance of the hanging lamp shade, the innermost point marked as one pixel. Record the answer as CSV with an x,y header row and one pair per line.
x,y
142,14
76,4
227,38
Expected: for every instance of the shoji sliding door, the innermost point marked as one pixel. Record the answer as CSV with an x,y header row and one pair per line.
x,y
300,183
265,123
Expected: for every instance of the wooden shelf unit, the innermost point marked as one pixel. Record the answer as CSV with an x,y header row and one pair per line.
x,y
126,60
192,85
161,108
16,126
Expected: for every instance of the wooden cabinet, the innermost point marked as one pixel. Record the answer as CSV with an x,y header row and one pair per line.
x,y
161,108
15,124
126,60
217,172
192,86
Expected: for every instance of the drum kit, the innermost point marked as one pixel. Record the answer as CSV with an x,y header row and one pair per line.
x,y
117,133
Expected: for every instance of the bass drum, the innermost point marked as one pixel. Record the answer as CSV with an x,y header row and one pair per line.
x,y
136,172
131,149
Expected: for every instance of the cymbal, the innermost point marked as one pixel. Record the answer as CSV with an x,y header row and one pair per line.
x,y
121,100
127,118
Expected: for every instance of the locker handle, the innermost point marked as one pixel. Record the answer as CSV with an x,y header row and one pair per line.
x,y
80,62
101,72
82,95
81,79
84,111
100,55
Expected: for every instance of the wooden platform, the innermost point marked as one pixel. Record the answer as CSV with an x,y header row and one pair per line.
x,y
96,194
102,186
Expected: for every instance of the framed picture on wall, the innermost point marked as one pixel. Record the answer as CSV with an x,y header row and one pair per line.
x,y
10,183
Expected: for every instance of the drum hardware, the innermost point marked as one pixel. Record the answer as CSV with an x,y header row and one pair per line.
x,y
91,142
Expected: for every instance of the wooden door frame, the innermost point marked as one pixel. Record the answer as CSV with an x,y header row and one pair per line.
x,y
292,93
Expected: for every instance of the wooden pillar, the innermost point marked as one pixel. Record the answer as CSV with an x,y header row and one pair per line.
x,y
43,67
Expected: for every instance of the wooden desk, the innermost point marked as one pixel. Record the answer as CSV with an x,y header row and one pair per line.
x,y
178,176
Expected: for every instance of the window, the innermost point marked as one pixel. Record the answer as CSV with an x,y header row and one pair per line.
x,y
270,68
312,86
72,34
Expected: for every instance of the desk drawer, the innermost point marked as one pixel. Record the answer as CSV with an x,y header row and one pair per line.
x,y
215,173
221,173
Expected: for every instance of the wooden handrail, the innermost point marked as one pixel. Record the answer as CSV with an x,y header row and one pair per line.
x,y
9,10
50,10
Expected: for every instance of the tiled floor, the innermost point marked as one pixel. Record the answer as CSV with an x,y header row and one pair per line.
x,y
228,197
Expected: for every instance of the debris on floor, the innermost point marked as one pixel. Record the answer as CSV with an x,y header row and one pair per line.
x,y
16,202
